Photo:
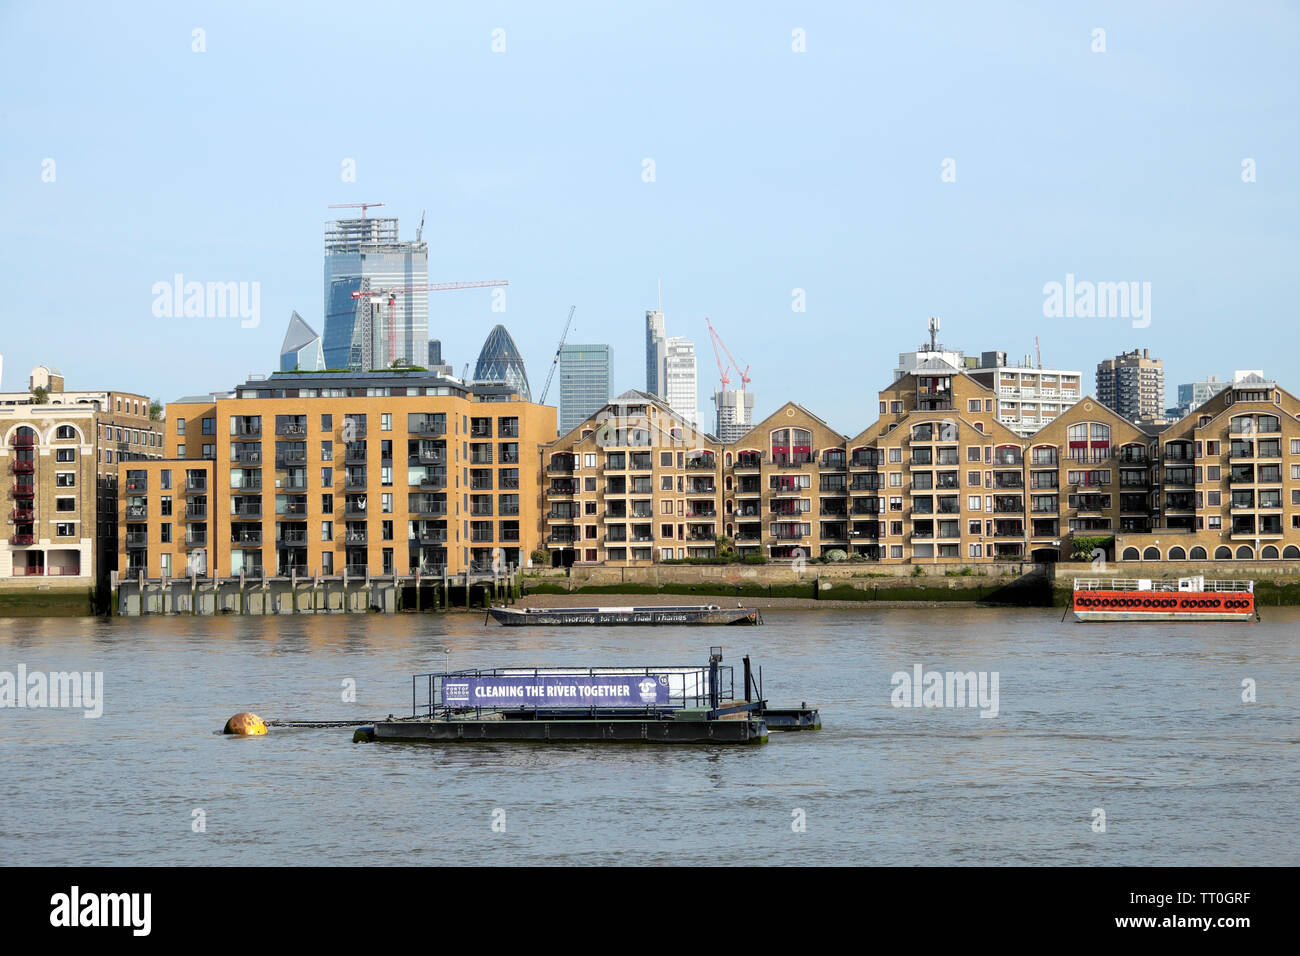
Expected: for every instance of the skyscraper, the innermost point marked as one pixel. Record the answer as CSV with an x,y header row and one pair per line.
x,y
301,348
584,382
656,349
681,379
735,413
359,249
499,363
1133,384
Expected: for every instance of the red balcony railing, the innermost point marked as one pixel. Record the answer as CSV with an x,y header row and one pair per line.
x,y
23,514
24,441
23,539
23,466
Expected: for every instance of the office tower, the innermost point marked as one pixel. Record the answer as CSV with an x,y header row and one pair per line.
x,y
681,379
735,413
499,363
656,350
389,329
1133,384
301,348
1192,395
435,363
584,382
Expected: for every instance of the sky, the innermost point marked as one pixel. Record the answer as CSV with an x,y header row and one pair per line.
x,y
817,179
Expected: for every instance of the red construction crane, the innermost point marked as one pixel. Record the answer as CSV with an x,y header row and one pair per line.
x,y
719,344
395,291
363,206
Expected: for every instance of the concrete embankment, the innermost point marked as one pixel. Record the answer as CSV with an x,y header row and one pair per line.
x,y
1028,585
47,601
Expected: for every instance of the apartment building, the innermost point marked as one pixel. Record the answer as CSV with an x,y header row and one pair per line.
x,y
633,484
320,473
1028,398
1225,480
1133,384
60,449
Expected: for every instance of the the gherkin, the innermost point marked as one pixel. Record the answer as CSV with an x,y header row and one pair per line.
x,y
501,363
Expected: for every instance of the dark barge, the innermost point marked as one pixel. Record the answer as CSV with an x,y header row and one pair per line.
x,y
677,704
608,616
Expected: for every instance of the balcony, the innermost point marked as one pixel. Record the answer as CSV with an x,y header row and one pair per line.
x,y
426,507
137,512
24,491
356,537
290,459
291,538
429,536
428,428
196,512
22,539
353,481
246,457
137,539
749,462
477,430
196,539
23,466
355,509
247,511
433,481
709,461
436,456
24,441
294,429
561,488
20,515
246,538
356,452
560,466
248,428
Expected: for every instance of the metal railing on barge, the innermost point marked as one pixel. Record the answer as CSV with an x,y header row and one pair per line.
x,y
687,686
1142,584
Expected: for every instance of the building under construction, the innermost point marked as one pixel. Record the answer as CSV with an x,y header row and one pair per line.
x,y
369,332
734,406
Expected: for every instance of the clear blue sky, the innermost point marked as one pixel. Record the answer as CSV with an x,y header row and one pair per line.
x,y
775,170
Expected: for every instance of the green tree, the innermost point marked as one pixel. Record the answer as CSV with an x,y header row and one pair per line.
x,y
40,395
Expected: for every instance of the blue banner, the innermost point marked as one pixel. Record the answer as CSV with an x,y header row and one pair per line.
x,y
547,690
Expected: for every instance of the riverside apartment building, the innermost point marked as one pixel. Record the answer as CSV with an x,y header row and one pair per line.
x,y
304,473
937,479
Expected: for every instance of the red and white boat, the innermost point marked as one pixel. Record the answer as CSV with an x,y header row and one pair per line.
x,y
1144,599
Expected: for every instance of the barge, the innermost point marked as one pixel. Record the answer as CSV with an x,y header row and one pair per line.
x,y
608,616
677,704
1143,599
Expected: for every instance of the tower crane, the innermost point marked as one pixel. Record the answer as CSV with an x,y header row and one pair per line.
x,y
722,374
365,292
563,338
363,206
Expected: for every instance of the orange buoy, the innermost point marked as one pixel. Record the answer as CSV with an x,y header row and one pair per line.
x,y
245,724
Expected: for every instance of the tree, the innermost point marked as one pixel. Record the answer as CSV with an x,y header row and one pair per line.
x,y
155,411
40,395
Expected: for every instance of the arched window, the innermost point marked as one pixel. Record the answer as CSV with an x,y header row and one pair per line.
x,y
1198,553
65,433
1130,554
1089,441
1291,552
791,446
1177,554
1151,554
1269,553
1245,553
1222,553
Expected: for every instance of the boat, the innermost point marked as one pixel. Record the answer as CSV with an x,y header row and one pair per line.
x,y
1144,599
670,704
664,614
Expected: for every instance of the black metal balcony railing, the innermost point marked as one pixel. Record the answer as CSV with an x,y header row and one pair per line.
x,y
702,461
298,428
429,427
135,539
196,513
248,428
137,512
247,538
247,457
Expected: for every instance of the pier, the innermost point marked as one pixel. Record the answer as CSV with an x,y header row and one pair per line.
x,y
135,596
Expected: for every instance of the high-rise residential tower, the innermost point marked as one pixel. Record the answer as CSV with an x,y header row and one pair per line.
x,y
681,379
584,382
1133,384
369,249
735,409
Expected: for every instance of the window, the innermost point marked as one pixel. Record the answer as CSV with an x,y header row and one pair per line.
x,y
973,405
974,527
327,504
665,482
327,451
895,455
65,504
65,529
973,479
67,433
386,530
65,454
665,507
385,422
973,503
65,479
180,427
975,550
665,459
166,533
896,408
209,426
165,505
386,503
973,453
327,423
210,451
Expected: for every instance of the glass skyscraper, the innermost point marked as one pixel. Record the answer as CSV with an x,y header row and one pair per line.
x,y
584,383
500,363
359,249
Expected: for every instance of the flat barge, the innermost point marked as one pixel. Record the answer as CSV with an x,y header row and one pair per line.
x,y
1143,599
610,616
679,704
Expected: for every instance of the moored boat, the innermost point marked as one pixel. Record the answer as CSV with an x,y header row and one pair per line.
x,y
1144,599
684,614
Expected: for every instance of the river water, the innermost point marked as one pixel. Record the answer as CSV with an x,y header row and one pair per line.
x,y
1145,723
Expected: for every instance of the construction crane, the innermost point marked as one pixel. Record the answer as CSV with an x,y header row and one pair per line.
x,y
363,206
563,337
365,292
719,344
